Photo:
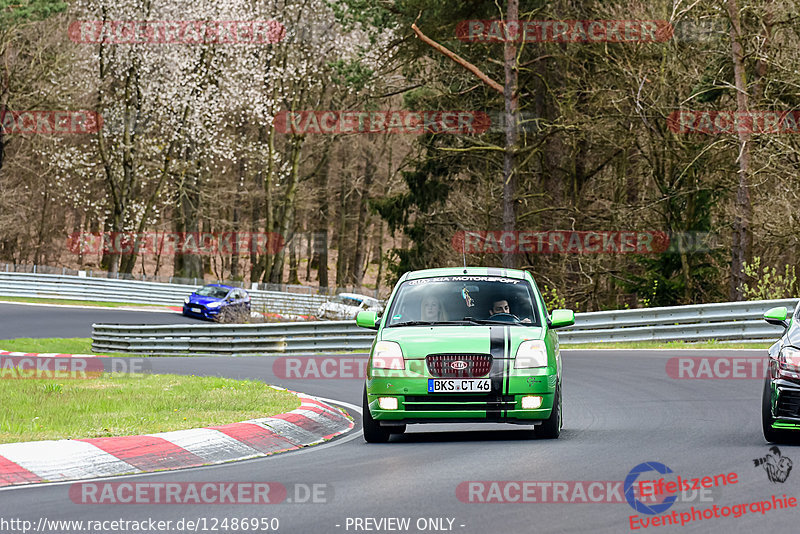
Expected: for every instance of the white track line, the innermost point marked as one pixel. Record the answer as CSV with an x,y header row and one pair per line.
x,y
53,305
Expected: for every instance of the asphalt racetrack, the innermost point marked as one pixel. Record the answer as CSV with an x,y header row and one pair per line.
x,y
621,409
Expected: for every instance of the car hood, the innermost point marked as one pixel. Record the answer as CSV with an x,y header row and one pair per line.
x,y
419,341
197,299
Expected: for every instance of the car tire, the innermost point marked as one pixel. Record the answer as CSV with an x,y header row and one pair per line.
x,y
551,427
770,434
373,433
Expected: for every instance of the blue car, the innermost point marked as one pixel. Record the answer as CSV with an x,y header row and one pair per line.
x,y
217,302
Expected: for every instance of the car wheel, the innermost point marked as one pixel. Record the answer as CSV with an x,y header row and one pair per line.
x,y
770,434
373,433
551,427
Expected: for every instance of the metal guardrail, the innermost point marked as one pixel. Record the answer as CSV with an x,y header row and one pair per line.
x,y
726,321
280,338
138,292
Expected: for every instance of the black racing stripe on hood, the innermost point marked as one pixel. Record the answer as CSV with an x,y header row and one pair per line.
x,y
507,349
497,345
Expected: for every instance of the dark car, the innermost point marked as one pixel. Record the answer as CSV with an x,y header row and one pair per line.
x,y
217,302
780,401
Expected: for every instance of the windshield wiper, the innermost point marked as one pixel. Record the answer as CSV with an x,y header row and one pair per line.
x,y
466,320
489,321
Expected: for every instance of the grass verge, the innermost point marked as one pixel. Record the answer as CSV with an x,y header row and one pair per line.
x,y
76,302
124,404
69,345
666,345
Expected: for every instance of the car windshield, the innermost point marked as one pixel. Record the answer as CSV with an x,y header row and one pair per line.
x,y
212,291
464,299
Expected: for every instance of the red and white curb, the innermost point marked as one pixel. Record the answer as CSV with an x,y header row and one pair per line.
x,y
51,461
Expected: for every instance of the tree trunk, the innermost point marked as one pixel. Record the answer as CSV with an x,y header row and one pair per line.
x,y
341,257
363,221
743,213
286,219
511,125
322,221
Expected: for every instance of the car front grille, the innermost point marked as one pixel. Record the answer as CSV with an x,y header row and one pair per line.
x,y
458,403
788,403
459,365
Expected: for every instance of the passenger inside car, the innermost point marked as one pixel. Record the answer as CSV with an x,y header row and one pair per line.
x,y
432,309
502,306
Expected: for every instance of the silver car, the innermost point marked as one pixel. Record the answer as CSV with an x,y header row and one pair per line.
x,y
345,306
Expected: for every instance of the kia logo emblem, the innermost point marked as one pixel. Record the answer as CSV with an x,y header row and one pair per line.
x,y
458,364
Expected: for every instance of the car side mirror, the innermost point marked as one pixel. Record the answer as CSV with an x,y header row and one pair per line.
x,y
561,318
368,319
777,316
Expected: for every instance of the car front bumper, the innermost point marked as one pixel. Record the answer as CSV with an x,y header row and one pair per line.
x,y
502,405
785,404
204,313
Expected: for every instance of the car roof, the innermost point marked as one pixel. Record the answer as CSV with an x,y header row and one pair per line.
x,y
473,271
223,286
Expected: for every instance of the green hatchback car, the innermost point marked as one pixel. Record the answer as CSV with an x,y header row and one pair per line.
x,y
463,345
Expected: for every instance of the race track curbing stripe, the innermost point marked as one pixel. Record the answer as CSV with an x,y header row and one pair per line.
x,y
211,445
147,453
11,473
65,459
257,437
50,461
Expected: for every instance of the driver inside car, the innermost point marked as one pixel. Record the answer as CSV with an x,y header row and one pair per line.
x,y
501,306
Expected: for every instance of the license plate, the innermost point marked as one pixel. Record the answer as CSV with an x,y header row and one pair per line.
x,y
196,310
459,385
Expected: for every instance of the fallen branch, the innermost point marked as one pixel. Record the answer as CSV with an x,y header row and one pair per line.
x,y
458,59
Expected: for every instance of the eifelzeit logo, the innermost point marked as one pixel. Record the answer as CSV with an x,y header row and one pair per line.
x,y
776,465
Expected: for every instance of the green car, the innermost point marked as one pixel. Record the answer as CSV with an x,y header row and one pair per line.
x,y
780,398
463,345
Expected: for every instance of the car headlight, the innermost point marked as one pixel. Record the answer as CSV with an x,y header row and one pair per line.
x,y
186,300
214,304
388,355
789,360
531,354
